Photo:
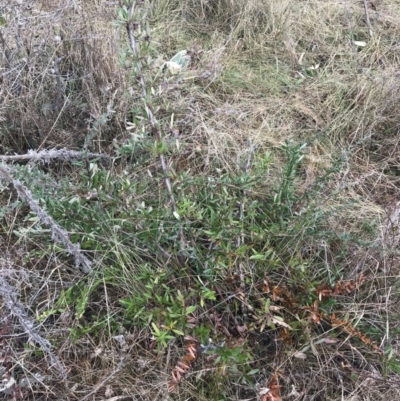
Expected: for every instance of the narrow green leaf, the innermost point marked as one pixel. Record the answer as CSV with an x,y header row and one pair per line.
x,y
155,328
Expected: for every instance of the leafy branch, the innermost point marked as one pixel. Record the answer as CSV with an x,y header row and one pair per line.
x,y
133,26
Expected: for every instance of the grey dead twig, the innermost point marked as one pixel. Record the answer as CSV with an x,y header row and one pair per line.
x,y
58,234
59,93
46,155
17,309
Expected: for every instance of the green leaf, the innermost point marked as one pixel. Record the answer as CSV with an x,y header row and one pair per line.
x,y
123,14
266,305
257,257
190,309
155,328
253,372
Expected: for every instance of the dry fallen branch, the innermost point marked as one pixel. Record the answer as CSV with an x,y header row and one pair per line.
x,y
8,293
59,235
46,155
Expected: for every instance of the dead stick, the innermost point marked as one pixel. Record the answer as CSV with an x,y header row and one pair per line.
x,y
46,155
58,234
59,95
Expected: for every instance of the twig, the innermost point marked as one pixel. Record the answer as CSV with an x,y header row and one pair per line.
x,y
6,51
367,18
46,155
7,292
59,95
393,220
250,156
98,122
59,235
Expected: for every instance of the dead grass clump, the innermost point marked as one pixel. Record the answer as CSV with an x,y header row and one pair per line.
x,y
60,74
340,95
243,18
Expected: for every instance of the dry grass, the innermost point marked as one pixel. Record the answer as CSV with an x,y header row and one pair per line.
x,y
261,71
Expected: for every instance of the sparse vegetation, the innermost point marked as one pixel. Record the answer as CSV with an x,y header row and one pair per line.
x,y
199,200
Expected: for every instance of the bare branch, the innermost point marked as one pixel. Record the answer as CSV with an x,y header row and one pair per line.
x,y
8,293
59,235
46,155
59,96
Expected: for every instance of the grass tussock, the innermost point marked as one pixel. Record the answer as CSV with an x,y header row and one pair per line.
x,y
234,207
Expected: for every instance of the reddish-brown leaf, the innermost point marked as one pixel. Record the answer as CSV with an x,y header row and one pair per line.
x,y
185,364
274,390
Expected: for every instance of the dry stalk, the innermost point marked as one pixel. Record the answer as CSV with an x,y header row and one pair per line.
x,y
131,27
367,18
246,170
59,235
